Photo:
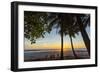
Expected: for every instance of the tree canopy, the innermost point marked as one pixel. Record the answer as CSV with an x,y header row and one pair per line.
x,y
34,24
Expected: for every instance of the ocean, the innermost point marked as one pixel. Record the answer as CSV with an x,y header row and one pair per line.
x,y
50,54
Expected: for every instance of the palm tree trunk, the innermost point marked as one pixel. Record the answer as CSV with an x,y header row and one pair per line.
x,y
84,35
62,57
61,17
72,47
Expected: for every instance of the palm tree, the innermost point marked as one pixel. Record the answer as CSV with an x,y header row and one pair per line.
x,y
79,23
35,25
70,29
82,25
64,22
56,19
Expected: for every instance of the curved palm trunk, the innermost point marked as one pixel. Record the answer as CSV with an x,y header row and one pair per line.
x,y
72,47
84,35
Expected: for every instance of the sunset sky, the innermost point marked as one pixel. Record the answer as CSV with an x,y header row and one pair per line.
x,y
53,41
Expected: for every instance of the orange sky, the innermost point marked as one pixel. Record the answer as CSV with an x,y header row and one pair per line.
x,y
54,46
